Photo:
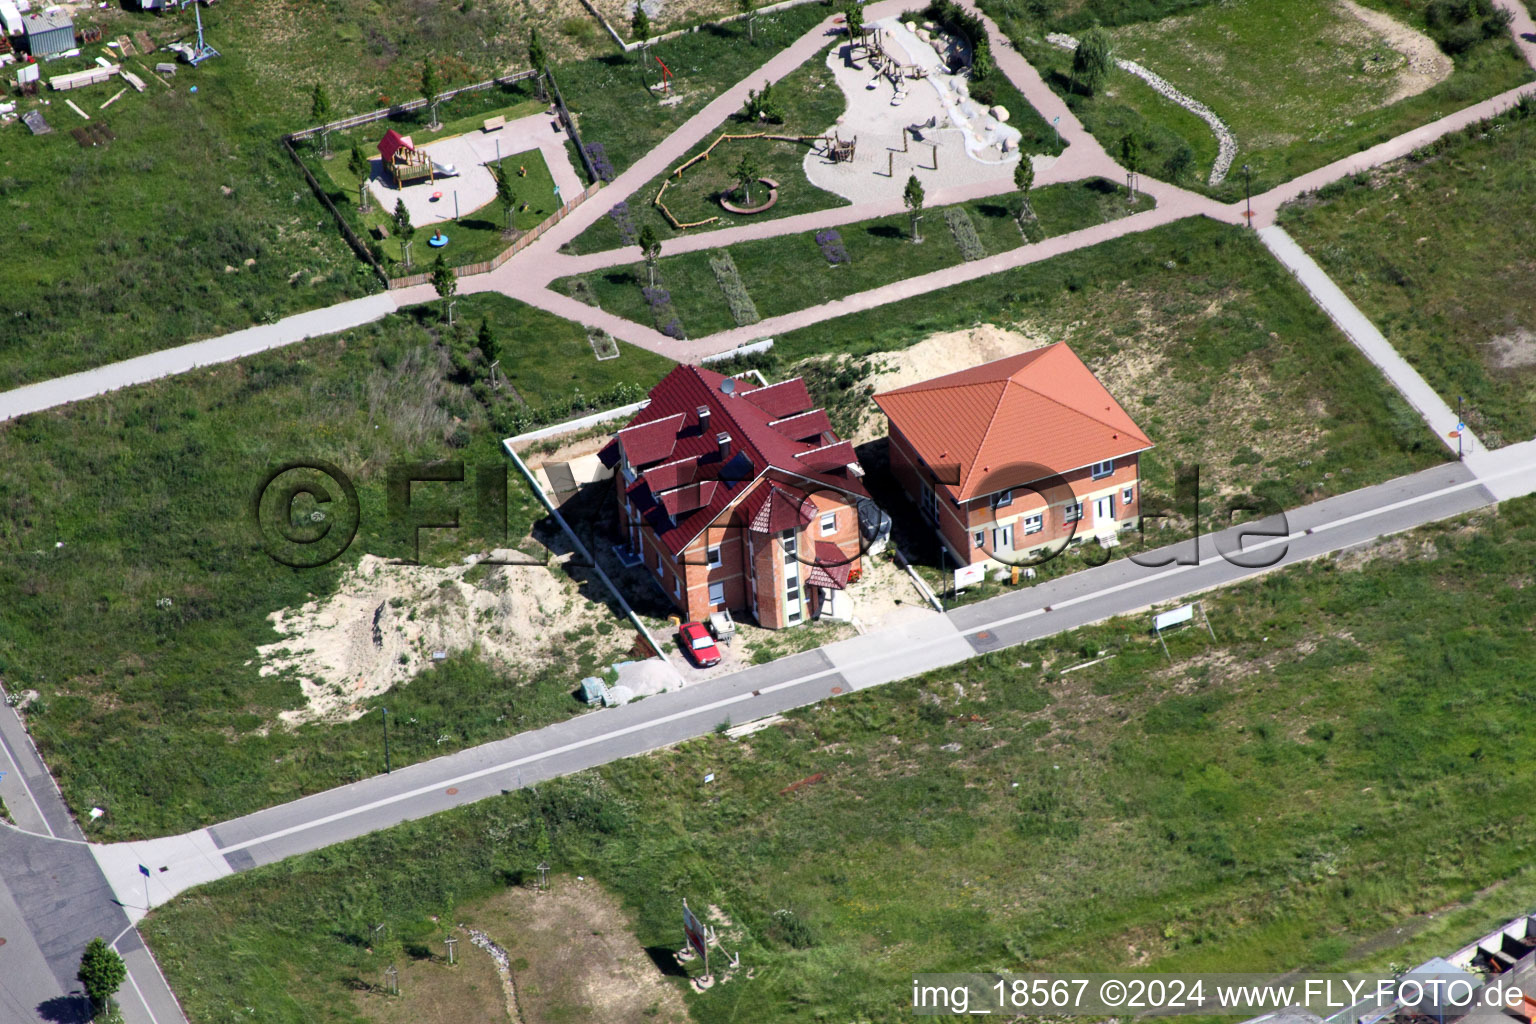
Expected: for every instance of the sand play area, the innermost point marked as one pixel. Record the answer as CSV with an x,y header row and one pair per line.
x,y
473,186
968,142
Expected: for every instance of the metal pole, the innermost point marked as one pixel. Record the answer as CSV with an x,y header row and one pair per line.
x,y
386,739
455,204
1248,191
1460,422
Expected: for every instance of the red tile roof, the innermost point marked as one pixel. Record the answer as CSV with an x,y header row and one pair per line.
x,y
831,568
1011,418
391,142
679,462
772,509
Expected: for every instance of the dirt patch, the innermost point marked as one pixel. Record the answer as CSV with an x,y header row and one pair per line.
x,y
1513,351
384,622
1393,549
432,992
1422,66
574,957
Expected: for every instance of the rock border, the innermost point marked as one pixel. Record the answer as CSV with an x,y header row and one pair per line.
x,y
1226,142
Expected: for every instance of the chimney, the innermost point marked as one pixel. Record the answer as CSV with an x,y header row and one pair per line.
x,y
724,441
703,412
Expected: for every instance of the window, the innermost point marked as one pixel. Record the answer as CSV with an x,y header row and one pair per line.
x,y
717,595
1002,499
677,585
1034,523
1103,469
1128,496
979,538
1002,538
1072,512
702,643
713,555
828,523
791,545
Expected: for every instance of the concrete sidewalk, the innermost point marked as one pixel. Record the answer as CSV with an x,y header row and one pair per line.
x,y
171,361
1372,343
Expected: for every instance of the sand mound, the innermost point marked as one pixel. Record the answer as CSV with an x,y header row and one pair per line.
x,y
381,626
934,357
1424,64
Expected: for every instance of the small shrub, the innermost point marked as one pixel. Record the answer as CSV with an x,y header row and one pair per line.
x,y
623,219
832,247
599,158
964,230
736,296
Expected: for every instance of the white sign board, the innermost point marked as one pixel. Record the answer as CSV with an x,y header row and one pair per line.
x,y
1176,617
970,575
27,73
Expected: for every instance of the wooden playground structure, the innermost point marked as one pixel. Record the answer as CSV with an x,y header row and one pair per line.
x,y
405,163
833,145
871,41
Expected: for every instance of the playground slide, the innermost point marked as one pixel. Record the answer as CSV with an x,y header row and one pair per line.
x,y
443,169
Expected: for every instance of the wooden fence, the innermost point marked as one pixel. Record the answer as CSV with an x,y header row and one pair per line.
x,y
357,244
408,106
524,240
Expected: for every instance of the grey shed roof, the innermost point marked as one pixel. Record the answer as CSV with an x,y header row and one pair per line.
x,y
44,21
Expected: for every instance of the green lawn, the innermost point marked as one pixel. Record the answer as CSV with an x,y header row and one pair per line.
x,y
1256,804
1299,82
1432,250
474,237
1213,348
140,631
881,251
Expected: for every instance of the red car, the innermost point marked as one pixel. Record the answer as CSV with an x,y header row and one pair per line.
x,y
698,644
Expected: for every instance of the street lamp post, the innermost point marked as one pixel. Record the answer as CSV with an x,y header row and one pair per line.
x,y
1461,425
1248,191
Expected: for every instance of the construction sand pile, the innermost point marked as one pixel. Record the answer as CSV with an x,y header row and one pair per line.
x,y
384,622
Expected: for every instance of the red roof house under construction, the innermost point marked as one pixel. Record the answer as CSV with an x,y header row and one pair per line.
x,y
739,496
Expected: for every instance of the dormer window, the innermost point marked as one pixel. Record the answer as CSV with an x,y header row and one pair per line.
x,y
1002,499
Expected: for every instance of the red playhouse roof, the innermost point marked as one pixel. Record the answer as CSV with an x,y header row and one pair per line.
x,y
1041,408
391,143
686,474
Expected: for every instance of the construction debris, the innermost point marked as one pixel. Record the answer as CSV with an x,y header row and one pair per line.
x,y
133,80
34,121
115,97
80,79
77,109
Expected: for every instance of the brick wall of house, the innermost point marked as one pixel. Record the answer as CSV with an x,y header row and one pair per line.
x,y
958,525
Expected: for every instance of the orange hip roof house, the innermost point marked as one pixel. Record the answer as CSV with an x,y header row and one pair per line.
x,y
1015,456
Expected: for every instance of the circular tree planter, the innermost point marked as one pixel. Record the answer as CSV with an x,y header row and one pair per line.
x,y
773,197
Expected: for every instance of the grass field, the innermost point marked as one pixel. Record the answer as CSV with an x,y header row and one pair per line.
x,y
1206,341
880,251
1256,804
1428,248
192,222
1299,82
136,590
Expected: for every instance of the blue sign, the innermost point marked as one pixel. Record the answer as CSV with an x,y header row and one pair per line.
x,y
143,870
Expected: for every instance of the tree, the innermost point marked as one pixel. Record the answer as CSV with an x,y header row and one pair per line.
x,y
486,340
320,104
357,163
102,972
640,24
745,7
504,193
855,16
430,87
1024,180
650,250
981,61
760,105
1130,158
1092,60
745,174
403,226
912,198
444,281
537,58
